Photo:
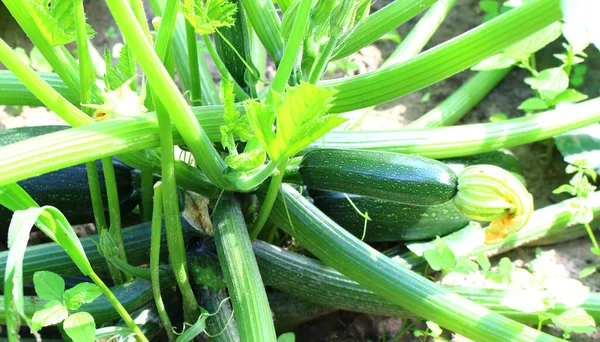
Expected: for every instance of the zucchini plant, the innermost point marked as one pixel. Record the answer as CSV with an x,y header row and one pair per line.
x,y
218,159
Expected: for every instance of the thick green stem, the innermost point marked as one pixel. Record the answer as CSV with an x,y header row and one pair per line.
x,y
444,60
376,272
170,200
207,157
462,100
248,296
41,89
155,262
239,92
418,37
292,48
192,49
139,335
114,208
266,24
26,159
267,205
321,64
381,22
137,6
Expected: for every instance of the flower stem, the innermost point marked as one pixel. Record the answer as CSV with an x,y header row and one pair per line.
x,y
192,45
268,202
139,335
155,260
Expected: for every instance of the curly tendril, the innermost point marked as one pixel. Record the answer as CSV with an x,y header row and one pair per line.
x,y
490,193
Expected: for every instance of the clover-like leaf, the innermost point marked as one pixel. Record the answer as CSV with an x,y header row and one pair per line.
x,y
80,294
48,285
52,313
80,327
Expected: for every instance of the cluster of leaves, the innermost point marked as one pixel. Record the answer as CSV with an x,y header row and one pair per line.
x,y
207,16
580,187
537,290
62,306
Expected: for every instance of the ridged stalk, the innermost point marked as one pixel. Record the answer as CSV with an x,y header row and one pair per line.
x,y
78,145
381,22
266,24
453,108
353,258
444,60
248,296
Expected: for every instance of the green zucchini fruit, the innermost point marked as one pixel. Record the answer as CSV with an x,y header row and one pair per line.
x,y
395,221
385,175
68,189
390,221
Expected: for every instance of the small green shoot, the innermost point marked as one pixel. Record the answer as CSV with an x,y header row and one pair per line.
x,y
433,331
287,337
61,306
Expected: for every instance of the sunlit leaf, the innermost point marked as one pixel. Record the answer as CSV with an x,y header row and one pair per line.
x,y
80,327
55,20
80,294
206,16
52,313
549,83
48,285
575,320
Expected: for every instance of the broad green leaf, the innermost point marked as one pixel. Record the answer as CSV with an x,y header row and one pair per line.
x,y
287,337
52,313
247,160
549,83
440,257
576,320
38,61
206,16
569,96
522,49
80,327
533,104
524,301
49,285
55,20
117,74
581,144
80,294
301,119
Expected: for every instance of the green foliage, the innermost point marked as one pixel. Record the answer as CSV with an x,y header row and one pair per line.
x,y
117,74
433,330
55,19
580,187
50,286
206,16
301,119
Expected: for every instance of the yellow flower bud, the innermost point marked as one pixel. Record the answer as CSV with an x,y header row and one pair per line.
x,y
490,193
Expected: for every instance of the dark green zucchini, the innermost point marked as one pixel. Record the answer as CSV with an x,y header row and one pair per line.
x,y
68,189
394,221
390,221
385,175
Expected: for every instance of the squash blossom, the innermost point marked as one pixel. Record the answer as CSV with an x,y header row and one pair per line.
x,y
119,103
490,193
